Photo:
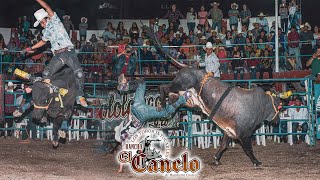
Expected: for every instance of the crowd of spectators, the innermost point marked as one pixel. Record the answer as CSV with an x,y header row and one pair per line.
x,y
238,48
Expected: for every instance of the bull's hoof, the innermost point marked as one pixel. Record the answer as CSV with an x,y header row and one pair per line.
x,y
257,165
62,140
216,162
55,144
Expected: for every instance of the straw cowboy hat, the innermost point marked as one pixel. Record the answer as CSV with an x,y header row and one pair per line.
x,y
203,38
306,25
209,46
85,19
261,15
66,16
10,84
39,15
214,4
234,4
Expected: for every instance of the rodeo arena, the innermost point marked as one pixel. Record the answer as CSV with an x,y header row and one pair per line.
x,y
200,90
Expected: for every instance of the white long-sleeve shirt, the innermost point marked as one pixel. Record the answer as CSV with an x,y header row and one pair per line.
x,y
302,114
212,64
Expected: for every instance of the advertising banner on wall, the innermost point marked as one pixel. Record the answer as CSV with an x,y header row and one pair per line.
x,y
114,108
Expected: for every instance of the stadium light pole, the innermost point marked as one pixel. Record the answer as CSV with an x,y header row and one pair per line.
x,y
277,36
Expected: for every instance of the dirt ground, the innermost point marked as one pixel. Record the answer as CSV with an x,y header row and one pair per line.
x,y
80,160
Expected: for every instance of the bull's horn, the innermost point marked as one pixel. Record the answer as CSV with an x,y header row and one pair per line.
x,y
22,74
285,95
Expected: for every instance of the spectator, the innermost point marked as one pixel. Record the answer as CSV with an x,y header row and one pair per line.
x,y
253,65
19,26
240,41
245,16
284,15
68,25
293,45
224,62
147,57
298,114
314,64
294,15
134,31
282,47
265,64
108,34
216,16
306,38
177,41
213,37
83,26
207,29
202,15
237,65
233,15
125,63
316,37
120,30
211,61
173,16
93,39
256,30
26,24
263,22
191,19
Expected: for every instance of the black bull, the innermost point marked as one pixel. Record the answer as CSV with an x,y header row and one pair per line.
x,y
43,95
240,113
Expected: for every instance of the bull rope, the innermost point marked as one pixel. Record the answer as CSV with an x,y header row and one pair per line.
x,y
274,107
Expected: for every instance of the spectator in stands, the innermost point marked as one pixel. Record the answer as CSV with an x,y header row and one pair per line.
x,y
224,63
245,16
174,16
202,15
207,29
134,31
284,15
306,38
265,64
83,26
212,37
282,47
293,45
120,30
299,114
256,30
87,50
108,34
191,19
93,39
294,15
67,23
216,16
19,26
253,65
26,24
237,65
177,41
314,64
233,14
316,37
240,41
263,22
147,57
125,63
211,61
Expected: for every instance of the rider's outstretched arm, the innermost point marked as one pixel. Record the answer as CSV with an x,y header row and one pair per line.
x,y
46,7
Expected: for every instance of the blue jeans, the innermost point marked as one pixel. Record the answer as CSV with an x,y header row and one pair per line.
x,y
224,67
282,127
165,67
296,52
236,71
191,26
216,25
253,72
304,127
144,112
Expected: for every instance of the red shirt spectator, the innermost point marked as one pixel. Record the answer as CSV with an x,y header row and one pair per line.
x,y
293,38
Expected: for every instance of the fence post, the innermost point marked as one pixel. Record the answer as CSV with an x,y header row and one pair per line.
x,y
311,112
189,129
